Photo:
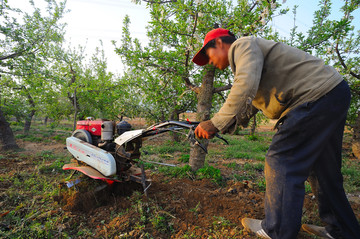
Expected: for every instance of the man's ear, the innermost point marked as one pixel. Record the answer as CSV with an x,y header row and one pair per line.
x,y
219,43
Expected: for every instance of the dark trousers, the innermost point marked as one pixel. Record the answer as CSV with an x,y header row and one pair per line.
x,y
309,139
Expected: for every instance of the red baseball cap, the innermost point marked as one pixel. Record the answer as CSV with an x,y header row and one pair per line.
x,y
201,58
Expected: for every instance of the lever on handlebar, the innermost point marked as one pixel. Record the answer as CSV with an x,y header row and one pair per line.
x,y
194,141
222,138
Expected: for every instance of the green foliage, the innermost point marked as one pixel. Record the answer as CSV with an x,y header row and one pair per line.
x,y
336,41
34,58
253,137
57,162
27,39
208,172
161,222
211,173
307,187
150,213
176,30
86,87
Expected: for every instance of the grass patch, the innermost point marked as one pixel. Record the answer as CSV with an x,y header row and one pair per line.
x,y
31,138
208,172
211,173
176,172
184,158
41,133
245,148
351,173
252,172
168,147
221,222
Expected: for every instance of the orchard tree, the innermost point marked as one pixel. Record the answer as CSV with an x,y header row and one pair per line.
x,y
24,43
101,92
68,75
89,87
155,73
176,31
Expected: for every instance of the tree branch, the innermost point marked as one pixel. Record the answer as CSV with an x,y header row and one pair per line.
x,y
222,88
14,55
342,62
159,2
188,83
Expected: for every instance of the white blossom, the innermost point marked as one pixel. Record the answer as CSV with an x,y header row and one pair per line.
x,y
266,11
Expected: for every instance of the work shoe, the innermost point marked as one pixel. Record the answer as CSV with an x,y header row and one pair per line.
x,y
316,230
254,226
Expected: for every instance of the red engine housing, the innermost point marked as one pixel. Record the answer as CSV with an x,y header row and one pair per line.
x,y
92,126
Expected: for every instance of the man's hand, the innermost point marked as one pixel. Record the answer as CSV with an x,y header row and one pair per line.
x,y
206,130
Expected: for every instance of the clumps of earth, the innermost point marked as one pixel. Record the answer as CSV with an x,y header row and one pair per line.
x,y
173,208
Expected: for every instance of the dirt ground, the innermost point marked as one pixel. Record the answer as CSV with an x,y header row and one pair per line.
x,y
173,208
192,209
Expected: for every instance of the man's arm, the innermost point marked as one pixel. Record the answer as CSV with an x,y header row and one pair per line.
x,y
246,61
207,130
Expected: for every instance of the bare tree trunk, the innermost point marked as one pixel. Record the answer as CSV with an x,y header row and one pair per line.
x,y
175,116
30,116
253,127
6,134
356,137
28,120
76,109
73,98
197,155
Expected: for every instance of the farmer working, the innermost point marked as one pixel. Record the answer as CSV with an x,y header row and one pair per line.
x,y
310,100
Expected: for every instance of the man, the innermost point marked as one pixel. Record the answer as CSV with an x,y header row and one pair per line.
x,y
310,100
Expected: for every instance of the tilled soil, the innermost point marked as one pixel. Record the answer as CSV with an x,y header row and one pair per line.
x,y
175,208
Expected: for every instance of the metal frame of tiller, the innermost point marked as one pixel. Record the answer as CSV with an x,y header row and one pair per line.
x,y
127,152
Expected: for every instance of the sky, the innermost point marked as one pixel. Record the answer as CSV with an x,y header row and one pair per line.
x,y
90,21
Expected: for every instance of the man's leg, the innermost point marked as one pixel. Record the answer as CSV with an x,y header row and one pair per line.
x,y
295,148
334,207
285,174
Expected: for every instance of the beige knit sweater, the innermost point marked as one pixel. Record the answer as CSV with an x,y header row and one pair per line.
x,y
272,77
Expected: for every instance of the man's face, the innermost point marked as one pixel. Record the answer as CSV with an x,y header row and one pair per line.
x,y
218,56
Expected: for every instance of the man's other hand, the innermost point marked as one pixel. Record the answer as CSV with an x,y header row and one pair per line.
x,y
206,130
